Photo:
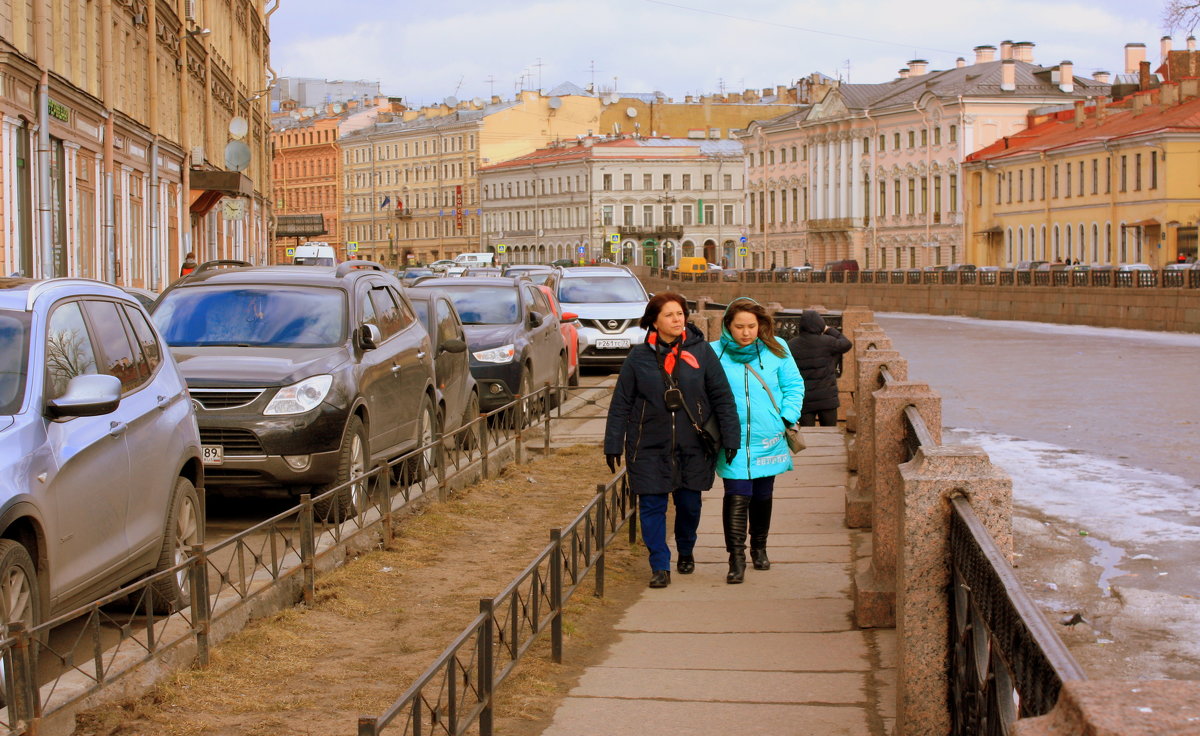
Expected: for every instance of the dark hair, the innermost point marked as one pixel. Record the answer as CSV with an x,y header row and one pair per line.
x,y
766,325
655,305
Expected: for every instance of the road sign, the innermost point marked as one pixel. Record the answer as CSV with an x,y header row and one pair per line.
x,y
290,252
582,250
614,238
743,239
352,246
743,250
502,248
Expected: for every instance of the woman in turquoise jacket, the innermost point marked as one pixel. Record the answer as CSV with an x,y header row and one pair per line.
x,y
755,361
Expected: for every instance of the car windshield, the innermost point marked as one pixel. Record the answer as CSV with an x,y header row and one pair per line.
x,y
484,305
14,353
601,289
422,308
254,316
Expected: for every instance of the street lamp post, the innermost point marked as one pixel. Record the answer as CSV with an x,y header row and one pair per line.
x,y
665,199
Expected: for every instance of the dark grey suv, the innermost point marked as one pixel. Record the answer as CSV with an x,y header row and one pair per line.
x,y
303,376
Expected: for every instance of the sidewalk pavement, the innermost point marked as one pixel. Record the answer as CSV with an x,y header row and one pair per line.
x,y
778,654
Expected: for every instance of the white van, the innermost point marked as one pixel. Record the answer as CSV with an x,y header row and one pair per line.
x,y
470,260
315,254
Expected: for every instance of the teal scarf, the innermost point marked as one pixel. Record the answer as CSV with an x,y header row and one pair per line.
x,y
739,353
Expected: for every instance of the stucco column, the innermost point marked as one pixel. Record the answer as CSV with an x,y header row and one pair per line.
x,y
875,582
70,174
8,205
855,206
934,476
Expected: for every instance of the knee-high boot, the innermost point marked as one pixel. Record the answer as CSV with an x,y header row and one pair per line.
x,y
760,525
733,514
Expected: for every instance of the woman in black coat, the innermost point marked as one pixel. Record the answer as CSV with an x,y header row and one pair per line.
x,y
663,450
816,350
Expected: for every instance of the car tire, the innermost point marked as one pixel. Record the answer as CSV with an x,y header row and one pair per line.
x,y
183,529
353,458
574,379
418,467
468,439
20,597
557,394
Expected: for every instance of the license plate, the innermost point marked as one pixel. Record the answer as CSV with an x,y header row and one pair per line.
x,y
212,454
611,344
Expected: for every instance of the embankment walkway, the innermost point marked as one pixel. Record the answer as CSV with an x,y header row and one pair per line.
x,y
778,654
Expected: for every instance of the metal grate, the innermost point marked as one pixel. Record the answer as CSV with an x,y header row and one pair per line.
x,y
235,441
225,398
607,326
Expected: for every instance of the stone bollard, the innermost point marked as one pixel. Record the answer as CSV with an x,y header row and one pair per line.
x,y
852,318
875,585
859,495
929,481
1119,707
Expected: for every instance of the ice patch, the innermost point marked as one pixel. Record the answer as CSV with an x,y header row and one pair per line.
x,y
1108,333
1121,502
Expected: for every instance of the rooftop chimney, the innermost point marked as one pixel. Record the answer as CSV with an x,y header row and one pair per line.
x,y
1066,76
1189,88
1101,107
1135,53
903,73
1139,103
1143,72
1168,94
1191,43
960,62
1080,115
1008,75
1164,47
1103,77
985,54
1023,51
1006,50
917,67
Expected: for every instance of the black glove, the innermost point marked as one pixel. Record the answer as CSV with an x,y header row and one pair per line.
x,y
786,423
730,454
614,462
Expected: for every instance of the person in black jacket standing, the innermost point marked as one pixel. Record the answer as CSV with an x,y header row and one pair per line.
x,y
816,350
653,428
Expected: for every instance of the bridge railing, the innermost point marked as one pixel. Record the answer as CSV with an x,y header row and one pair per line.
x,y
264,568
1188,278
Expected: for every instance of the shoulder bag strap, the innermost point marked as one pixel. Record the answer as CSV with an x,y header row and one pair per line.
x,y
770,395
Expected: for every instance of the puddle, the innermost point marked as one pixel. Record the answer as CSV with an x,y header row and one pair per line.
x,y
1107,556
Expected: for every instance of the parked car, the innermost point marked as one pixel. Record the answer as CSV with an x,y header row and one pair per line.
x,y
568,323
1029,265
1134,267
410,275
303,378
441,265
457,393
483,271
536,273
315,254
145,297
101,461
609,301
848,264
1182,266
962,267
563,263
512,335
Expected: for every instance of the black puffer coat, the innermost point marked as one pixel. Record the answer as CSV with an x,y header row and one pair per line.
x,y
662,451
816,350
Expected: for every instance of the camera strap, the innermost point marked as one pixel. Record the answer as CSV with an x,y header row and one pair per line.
x,y
669,381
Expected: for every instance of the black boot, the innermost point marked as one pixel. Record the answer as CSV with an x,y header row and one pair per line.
x,y
733,514
760,524
686,564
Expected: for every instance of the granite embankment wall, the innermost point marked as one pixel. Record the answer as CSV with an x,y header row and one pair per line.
x,y
1162,309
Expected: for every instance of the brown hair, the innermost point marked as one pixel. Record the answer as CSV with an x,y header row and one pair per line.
x,y
655,305
766,325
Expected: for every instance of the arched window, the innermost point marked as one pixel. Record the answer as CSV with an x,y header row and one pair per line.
x,y
1020,246
1042,245
1068,229
1056,243
1008,242
1108,254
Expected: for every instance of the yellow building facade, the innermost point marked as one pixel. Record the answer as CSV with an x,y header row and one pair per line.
x,y
114,121
1105,184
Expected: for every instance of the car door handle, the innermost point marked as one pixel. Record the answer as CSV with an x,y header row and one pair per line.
x,y
165,401
421,354
395,368
116,429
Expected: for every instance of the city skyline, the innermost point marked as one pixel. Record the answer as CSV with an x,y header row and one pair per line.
x,y
467,48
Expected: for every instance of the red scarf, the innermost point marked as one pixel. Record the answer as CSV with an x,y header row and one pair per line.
x,y
669,361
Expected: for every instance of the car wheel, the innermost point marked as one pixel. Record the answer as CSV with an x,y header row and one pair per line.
x,y
419,466
468,439
19,598
529,408
557,394
352,463
183,529
574,379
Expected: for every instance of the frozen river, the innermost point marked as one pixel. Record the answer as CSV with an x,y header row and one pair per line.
x,y
1098,427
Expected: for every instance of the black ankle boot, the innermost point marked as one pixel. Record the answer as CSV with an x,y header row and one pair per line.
x,y
686,564
760,525
733,514
660,579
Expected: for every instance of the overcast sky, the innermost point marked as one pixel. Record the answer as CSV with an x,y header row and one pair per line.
x,y
425,51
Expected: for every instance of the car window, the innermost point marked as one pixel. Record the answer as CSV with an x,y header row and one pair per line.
x,y
119,357
69,350
145,337
600,289
393,316
14,356
257,316
484,305
537,301
367,309
447,325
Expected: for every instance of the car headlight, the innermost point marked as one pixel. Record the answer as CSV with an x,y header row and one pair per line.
x,y
300,397
502,354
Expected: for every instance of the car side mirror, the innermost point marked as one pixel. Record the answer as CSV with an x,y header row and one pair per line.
x,y
369,336
89,395
568,317
535,320
454,345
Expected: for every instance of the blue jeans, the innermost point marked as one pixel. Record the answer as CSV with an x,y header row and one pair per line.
x,y
757,488
652,508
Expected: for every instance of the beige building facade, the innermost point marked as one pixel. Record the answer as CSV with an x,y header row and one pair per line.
x,y
114,120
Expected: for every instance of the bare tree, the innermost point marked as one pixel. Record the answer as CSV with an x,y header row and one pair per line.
x,y
1181,15
67,357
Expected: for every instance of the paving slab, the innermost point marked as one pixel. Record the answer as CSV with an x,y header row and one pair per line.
x,y
839,651
725,686
763,615
793,582
716,538
608,716
779,554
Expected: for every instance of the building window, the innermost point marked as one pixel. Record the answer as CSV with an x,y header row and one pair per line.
x,y
708,181
770,158
999,188
647,215
1124,175
607,182
667,181
727,181
1068,168
882,198
896,198
1095,176
1080,179
953,193
727,214
772,208
627,215
1021,185
895,141
1154,169
912,196
606,214
1137,172
1009,185
866,145
710,214
793,154
1108,175
937,136
668,215
687,214
912,138
687,182
924,137
752,200
924,195
647,181
882,143
1055,181
937,194
627,182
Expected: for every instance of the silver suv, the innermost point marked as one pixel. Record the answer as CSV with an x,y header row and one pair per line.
x,y
101,456
610,302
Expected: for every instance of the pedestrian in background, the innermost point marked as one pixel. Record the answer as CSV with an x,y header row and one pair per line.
x,y
668,387
817,351
189,264
768,392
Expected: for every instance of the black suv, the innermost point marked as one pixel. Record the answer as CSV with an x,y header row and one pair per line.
x,y
302,376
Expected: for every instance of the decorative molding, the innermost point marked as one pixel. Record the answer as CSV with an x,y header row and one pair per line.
x,y
168,36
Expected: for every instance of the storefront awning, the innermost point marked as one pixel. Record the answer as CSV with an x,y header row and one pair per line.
x,y
1151,222
994,230
299,226
208,187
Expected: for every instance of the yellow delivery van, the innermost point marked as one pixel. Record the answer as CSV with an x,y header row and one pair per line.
x,y
693,265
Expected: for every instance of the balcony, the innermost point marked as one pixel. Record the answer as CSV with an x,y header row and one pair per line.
x,y
658,232
834,224
404,213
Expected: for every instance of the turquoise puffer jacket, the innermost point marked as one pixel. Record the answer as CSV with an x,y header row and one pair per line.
x,y
764,449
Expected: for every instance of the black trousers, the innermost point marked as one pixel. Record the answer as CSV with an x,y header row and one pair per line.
x,y
827,418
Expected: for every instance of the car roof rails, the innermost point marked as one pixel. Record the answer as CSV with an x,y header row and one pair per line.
x,y
346,267
39,287
220,263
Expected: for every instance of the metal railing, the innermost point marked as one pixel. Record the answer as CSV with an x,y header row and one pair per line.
x,y
456,691
280,555
1188,278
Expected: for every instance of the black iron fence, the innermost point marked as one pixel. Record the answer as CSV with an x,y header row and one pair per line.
x,y
279,556
1185,278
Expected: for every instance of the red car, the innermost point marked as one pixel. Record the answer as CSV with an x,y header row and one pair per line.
x,y
570,333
